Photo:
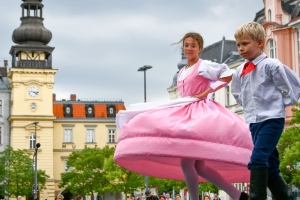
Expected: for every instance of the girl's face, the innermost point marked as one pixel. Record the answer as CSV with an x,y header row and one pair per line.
x,y
191,48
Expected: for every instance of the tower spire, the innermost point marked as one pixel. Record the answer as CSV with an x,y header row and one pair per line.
x,y
32,38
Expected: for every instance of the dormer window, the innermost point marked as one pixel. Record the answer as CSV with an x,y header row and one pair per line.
x,y
68,110
89,110
111,111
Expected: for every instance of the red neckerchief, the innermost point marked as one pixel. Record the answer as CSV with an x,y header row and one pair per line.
x,y
248,67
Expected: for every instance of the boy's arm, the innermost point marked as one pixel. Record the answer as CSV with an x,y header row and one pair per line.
x,y
236,88
288,83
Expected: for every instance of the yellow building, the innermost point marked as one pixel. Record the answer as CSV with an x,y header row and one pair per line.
x,y
61,127
81,124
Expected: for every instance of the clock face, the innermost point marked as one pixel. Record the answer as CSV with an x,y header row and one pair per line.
x,y
33,91
33,106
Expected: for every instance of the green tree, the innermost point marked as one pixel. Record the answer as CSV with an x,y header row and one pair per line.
x,y
208,187
121,179
289,150
16,173
85,173
165,185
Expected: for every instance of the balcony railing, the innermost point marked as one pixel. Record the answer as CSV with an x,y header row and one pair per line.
x,y
33,64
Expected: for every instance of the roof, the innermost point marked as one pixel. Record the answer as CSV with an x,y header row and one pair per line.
x,y
79,110
291,7
219,51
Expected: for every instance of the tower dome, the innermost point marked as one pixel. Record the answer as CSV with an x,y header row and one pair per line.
x,y
32,29
32,38
183,61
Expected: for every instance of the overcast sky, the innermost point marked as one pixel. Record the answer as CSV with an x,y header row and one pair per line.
x,y
99,45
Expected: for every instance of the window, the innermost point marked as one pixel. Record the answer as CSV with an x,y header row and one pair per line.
x,y
68,135
90,135
32,141
270,15
112,135
227,98
272,48
0,135
66,169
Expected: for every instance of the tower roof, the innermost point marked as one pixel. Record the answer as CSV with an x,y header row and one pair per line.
x,y
32,30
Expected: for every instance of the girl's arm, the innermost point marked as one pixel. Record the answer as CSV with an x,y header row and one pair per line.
x,y
224,80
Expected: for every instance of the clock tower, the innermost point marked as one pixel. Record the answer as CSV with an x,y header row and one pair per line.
x,y
32,80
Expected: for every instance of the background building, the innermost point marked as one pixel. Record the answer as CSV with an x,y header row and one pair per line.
x,y
63,126
4,107
79,124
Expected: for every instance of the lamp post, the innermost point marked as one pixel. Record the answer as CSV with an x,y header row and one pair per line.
x,y
37,145
144,69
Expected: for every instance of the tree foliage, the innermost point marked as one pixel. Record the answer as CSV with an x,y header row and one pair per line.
x,y
165,185
289,149
208,187
85,171
94,170
122,180
17,173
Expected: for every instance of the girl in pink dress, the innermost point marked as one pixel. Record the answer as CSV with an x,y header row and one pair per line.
x,y
194,138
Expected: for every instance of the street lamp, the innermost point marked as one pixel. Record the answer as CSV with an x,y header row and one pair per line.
x,y
144,69
37,145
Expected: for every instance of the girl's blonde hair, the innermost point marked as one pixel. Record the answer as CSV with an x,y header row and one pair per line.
x,y
195,36
254,29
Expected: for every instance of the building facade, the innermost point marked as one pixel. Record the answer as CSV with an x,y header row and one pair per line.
x,y
80,124
36,116
4,107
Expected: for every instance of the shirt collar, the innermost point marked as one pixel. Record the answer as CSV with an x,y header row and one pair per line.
x,y
257,59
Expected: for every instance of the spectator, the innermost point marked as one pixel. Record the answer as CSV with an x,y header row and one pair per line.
x,y
162,197
149,196
60,197
216,197
177,197
168,196
78,197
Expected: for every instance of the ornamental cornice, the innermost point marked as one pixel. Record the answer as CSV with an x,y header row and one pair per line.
x,y
31,71
13,118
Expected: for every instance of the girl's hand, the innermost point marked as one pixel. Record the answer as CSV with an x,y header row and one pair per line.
x,y
200,96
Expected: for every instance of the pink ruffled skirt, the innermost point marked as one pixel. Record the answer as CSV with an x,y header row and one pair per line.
x,y
153,140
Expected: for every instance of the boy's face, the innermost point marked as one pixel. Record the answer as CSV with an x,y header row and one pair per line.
x,y
248,48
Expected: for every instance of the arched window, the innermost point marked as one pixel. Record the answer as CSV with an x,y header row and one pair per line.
x,y
269,16
32,141
272,48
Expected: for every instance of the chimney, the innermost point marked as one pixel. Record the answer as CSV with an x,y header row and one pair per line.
x,y
53,96
73,97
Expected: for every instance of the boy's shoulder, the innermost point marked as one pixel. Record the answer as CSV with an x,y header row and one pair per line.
x,y
271,61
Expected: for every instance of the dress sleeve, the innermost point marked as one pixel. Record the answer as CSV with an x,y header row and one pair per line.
x,y
213,71
236,90
287,82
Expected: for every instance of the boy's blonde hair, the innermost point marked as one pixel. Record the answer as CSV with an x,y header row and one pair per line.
x,y
254,29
